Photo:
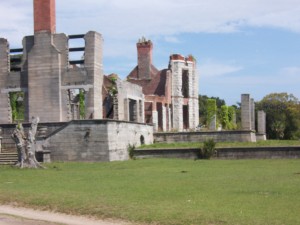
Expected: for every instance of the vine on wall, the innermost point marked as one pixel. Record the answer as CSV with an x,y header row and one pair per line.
x,y
211,110
81,104
17,106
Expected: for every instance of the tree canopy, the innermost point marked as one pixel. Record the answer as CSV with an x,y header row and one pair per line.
x,y
283,115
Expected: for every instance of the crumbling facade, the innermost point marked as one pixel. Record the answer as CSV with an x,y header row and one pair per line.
x,y
49,82
57,89
171,95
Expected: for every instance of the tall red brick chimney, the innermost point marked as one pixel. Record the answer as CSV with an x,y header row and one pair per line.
x,y
144,49
44,16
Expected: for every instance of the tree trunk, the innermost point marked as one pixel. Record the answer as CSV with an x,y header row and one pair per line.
x,y
26,146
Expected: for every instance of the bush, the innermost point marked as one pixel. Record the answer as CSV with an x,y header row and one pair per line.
x,y
208,149
130,149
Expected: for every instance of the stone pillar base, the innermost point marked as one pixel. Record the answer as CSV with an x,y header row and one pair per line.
x,y
261,137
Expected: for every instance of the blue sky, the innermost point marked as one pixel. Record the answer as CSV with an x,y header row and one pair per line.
x,y
249,46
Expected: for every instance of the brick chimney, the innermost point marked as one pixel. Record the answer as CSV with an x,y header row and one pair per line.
x,y
144,49
44,16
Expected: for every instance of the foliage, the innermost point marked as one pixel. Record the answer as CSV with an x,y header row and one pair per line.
x,y
17,106
208,149
81,104
224,117
130,149
232,117
203,99
113,90
283,115
211,110
172,191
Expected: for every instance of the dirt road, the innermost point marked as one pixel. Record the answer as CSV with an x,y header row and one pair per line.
x,y
10,215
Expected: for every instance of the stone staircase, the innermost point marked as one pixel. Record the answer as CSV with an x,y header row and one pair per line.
x,y
8,157
8,152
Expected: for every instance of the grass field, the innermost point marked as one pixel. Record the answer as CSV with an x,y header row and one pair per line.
x,y
267,143
163,191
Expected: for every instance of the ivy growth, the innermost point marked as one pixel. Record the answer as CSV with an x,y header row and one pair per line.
x,y
113,91
231,117
211,110
81,104
224,117
17,105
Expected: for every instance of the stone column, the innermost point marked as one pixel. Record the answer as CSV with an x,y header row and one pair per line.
x,y
142,108
261,125
44,79
246,112
177,63
170,117
164,118
94,68
213,123
193,94
5,116
0,140
252,105
155,120
126,109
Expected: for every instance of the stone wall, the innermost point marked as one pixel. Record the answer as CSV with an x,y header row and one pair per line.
x,y
179,66
96,140
218,136
223,153
44,129
259,153
85,140
130,91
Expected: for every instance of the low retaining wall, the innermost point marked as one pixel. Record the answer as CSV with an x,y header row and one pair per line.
x,y
259,153
96,140
218,136
223,153
84,140
186,153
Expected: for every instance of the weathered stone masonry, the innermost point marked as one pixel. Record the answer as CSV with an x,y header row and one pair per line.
x,y
171,95
248,118
49,79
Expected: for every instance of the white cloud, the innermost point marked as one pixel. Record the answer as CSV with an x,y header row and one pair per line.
x,y
291,71
132,19
172,39
210,69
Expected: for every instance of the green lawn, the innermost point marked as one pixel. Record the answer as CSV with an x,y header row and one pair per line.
x,y
163,191
267,143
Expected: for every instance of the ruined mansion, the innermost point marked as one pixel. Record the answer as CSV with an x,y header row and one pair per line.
x,y
49,84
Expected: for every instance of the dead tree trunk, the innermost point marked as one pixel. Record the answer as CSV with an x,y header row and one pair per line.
x,y
26,145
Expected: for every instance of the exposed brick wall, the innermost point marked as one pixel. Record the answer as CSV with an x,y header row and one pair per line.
x,y
44,16
144,59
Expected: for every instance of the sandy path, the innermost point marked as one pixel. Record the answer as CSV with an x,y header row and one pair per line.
x,y
10,215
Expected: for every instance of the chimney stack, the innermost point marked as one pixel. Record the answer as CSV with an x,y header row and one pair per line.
x,y
144,49
44,16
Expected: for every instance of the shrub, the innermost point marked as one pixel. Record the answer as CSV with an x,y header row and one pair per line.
x,y
130,149
208,149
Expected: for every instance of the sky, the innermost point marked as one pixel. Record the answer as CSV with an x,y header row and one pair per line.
x,y
242,47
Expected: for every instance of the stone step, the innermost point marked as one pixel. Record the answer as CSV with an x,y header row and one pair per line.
x,y
8,158
8,150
